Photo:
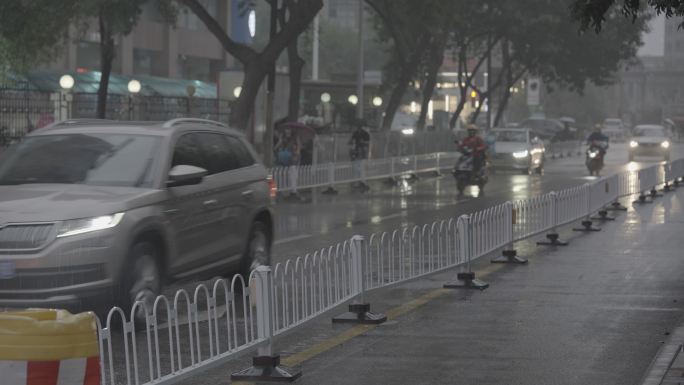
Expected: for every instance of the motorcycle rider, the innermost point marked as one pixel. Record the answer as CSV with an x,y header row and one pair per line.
x,y
599,139
477,146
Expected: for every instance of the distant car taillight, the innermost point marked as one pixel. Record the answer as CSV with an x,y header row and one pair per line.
x,y
272,188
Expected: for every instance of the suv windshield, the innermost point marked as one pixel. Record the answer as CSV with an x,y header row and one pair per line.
x,y
657,132
92,159
511,136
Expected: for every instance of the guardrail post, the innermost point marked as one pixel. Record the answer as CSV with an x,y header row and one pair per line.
x,y
266,365
587,224
465,279
392,180
414,174
552,236
359,310
438,167
642,199
603,212
331,179
509,254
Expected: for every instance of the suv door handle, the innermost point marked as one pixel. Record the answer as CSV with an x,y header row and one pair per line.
x,y
210,203
247,193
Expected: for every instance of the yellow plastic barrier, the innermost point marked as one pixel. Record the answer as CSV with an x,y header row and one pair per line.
x,y
48,347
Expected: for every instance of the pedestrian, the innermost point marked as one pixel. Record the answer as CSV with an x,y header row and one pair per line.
x,y
287,149
360,142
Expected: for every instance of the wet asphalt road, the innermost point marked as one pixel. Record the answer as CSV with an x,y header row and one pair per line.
x,y
321,220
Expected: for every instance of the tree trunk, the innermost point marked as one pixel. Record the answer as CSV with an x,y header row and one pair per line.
x,y
461,88
502,107
244,105
408,70
296,64
436,57
106,59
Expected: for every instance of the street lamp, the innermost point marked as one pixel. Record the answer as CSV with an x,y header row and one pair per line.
x,y
67,83
134,87
377,101
353,99
325,97
237,91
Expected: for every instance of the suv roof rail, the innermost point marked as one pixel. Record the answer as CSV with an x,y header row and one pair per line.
x,y
174,122
68,122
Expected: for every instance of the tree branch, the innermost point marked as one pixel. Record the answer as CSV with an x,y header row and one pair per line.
x,y
241,52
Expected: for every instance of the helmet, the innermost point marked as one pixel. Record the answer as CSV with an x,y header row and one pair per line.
x,y
472,129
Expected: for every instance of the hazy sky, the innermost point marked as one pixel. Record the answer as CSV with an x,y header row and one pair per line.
x,y
654,40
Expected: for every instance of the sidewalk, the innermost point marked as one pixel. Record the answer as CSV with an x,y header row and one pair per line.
x,y
595,312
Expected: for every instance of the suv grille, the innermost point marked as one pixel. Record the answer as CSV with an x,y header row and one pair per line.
x,y
50,278
25,237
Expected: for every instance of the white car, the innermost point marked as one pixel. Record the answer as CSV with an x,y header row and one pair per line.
x,y
614,129
516,149
649,140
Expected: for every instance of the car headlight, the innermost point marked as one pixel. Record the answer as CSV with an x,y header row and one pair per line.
x,y
665,144
521,154
633,144
86,225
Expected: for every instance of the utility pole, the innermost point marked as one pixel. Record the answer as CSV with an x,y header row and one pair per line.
x,y
270,94
487,82
359,75
314,61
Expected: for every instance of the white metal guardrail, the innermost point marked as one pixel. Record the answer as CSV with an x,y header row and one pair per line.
x,y
192,333
293,178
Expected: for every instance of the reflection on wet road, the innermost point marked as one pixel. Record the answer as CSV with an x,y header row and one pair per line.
x,y
321,220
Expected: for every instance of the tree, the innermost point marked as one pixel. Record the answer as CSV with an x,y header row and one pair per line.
x,y
410,26
115,18
596,12
33,31
256,65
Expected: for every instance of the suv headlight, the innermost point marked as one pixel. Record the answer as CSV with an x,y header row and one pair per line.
x,y
665,144
633,144
86,225
521,154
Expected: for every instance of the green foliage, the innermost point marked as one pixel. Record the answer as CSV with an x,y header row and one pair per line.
x,y
33,31
596,12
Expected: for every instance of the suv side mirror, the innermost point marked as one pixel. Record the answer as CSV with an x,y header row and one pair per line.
x,y
185,175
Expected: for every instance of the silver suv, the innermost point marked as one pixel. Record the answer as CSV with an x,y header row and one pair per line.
x,y
93,209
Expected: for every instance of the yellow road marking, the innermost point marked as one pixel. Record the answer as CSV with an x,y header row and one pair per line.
x,y
323,346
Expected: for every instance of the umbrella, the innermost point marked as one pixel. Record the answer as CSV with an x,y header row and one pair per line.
x,y
301,130
567,119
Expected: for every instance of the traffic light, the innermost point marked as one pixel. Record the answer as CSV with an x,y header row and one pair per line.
x,y
473,99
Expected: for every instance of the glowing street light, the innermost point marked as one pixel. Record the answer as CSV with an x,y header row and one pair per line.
x,y
134,86
377,101
237,91
325,97
66,82
353,99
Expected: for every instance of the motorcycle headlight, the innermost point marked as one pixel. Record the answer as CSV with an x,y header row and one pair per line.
x,y
521,154
593,154
633,144
665,144
86,225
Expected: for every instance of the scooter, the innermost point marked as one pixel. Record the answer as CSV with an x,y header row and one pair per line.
x,y
466,175
594,157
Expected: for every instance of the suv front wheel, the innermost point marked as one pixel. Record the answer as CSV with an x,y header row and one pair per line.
x,y
143,282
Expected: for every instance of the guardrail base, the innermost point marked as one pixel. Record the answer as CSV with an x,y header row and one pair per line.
x,y
267,369
361,186
617,206
642,200
667,187
603,216
359,313
509,256
676,182
587,226
552,241
654,193
392,181
466,281
329,191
